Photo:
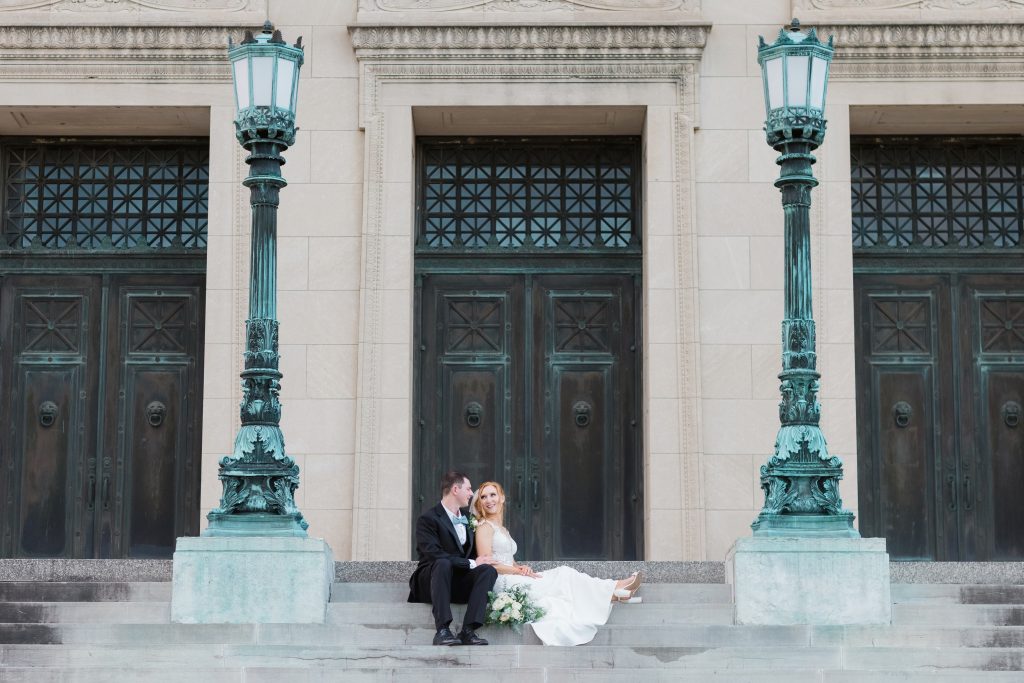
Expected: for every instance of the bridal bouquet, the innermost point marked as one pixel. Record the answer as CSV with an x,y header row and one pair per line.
x,y
512,607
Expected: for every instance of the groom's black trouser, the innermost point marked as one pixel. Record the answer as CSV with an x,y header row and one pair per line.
x,y
446,584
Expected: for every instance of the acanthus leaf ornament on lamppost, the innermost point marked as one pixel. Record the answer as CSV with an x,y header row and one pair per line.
x,y
801,480
259,479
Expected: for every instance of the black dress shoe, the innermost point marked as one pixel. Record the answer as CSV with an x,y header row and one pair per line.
x,y
469,637
446,637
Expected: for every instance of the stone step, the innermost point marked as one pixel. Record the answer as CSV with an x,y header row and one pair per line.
x,y
644,613
251,674
88,591
690,593
738,659
959,615
85,613
958,594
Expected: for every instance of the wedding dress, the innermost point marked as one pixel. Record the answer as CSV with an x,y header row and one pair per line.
x,y
574,603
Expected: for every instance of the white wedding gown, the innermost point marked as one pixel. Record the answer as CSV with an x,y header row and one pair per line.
x,y
574,603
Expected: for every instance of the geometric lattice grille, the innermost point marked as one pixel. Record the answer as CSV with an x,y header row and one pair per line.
x,y
542,195
104,197
937,193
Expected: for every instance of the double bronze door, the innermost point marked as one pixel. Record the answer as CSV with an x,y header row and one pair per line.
x,y
940,390
101,410
532,380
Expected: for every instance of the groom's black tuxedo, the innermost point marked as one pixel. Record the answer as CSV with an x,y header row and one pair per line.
x,y
443,575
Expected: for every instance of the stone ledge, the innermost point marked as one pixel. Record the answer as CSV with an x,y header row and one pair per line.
x,y
114,571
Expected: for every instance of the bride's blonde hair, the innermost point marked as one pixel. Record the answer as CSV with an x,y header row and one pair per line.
x,y
478,508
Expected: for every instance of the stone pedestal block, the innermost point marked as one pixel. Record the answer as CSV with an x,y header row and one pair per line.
x,y
251,579
809,580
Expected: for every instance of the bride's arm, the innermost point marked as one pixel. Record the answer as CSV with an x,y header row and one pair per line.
x,y
484,540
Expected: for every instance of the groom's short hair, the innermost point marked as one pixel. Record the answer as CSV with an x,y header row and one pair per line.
x,y
450,479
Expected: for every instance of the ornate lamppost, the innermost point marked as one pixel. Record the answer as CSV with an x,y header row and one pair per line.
x,y
801,480
259,479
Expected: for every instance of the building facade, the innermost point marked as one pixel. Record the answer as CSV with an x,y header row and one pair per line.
x,y
537,240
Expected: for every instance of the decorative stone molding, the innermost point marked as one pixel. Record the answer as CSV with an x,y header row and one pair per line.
x,y
686,6
666,40
645,56
927,51
118,53
854,6
132,12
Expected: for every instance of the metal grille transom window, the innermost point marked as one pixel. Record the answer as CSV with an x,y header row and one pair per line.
x,y
937,193
545,195
98,196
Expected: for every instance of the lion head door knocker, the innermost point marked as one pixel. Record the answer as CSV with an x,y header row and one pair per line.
x,y
48,412
1011,414
901,413
155,413
474,414
581,411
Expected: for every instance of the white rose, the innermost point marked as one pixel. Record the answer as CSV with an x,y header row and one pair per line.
x,y
504,617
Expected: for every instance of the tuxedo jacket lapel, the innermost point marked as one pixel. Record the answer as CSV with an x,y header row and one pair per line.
x,y
446,523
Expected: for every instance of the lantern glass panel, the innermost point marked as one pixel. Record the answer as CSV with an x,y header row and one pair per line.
x,y
819,76
262,80
285,79
773,77
240,69
797,68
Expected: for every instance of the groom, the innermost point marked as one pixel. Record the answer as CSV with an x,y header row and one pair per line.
x,y
449,570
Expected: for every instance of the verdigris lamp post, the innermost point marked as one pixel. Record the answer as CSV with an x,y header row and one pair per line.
x,y
801,480
259,479
255,563
805,563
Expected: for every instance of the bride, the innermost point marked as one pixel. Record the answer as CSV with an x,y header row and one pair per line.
x,y
574,603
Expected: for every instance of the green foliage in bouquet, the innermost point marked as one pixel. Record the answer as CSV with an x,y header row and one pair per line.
x,y
512,607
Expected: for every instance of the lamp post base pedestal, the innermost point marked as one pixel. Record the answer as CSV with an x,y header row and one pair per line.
x,y
254,524
813,526
251,580
809,580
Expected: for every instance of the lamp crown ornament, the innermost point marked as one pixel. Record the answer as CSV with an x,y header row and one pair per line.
x,y
801,479
266,75
795,76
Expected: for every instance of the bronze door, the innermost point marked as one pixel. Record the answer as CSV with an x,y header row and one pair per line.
x,y
103,388
940,385
532,380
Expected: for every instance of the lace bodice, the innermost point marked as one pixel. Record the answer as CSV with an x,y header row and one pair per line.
x,y
503,546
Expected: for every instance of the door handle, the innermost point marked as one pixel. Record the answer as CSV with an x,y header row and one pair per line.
x,y
968,494
105,492
951,480
92,491
536,491
519,486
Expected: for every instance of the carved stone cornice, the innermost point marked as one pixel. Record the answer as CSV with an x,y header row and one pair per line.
x,y
926,51
925,37
121,53
660,40
30,13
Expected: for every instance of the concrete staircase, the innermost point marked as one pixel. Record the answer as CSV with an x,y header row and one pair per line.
x,y
113,628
